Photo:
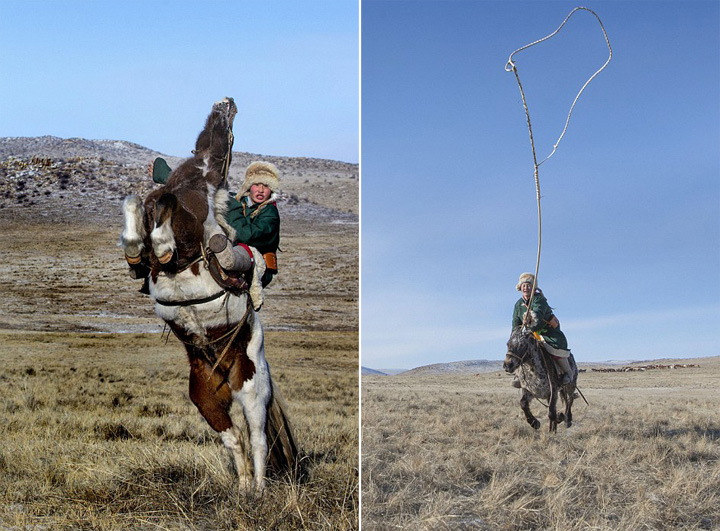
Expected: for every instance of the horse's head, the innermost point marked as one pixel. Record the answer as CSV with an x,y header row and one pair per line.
x,y
518,349
166,231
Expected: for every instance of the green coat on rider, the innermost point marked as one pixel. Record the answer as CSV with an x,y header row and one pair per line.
x,y
540,324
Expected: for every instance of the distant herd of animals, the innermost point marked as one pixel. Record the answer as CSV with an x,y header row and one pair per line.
x,y
640,368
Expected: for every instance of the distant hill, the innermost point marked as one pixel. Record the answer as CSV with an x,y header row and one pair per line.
x,y
471,367
67,148
36,170
478,366
366,370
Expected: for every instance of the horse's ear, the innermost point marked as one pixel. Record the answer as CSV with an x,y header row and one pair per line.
x,y
164,208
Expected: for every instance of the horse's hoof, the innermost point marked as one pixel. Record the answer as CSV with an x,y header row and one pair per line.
x,y
535,424
164,259
245,483
133,260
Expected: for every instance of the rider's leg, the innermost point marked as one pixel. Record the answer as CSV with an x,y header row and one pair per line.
x,y
231,258
564,365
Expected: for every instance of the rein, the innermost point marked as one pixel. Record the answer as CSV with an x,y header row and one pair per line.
x,y
191,302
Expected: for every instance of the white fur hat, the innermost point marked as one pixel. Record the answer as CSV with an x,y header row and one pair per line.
x,y
261,173
525,277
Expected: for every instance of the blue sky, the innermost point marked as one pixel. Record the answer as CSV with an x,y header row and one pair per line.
x,y
631,199
148,72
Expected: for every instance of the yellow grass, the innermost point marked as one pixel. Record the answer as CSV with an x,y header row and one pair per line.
x,y
97,432
455,452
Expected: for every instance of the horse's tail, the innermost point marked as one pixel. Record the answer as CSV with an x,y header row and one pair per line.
x,y
282,450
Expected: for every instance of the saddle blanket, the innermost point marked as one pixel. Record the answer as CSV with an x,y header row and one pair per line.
x,y
557,352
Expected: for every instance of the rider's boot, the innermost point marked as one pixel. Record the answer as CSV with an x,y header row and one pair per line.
x,y
564,365
231,258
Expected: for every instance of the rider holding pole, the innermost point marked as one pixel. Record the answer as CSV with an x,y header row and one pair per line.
x,y
543,323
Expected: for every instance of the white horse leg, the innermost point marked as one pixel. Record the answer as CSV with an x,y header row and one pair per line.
x,y
131,239
254,397
256,413
233,440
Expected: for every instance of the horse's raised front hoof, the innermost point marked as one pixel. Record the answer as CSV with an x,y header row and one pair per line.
x,y
535,424
164,259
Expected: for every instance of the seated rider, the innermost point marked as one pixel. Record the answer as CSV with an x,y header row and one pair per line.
x,y
544,323
252,213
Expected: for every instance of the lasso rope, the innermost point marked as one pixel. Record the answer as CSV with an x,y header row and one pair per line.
x,y
510,66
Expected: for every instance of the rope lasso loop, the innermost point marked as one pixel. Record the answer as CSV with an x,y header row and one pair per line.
x,y
511,67
511,64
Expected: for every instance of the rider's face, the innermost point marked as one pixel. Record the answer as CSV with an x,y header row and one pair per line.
x,y
259,193
526,288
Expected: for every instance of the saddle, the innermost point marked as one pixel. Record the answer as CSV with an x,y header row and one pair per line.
x,y
234,283
240,283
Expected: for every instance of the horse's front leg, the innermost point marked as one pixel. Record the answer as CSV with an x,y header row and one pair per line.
x,y
213,399
525,400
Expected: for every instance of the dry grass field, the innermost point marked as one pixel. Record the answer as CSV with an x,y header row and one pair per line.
x,y
98,433
455,452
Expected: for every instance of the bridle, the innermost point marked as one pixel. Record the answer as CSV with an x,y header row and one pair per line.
x,y
521,359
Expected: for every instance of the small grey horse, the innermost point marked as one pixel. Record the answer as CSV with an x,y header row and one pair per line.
x,y
539,378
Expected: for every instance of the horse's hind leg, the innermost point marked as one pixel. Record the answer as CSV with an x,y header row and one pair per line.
x,y
568,395
213,399
552,410
525,405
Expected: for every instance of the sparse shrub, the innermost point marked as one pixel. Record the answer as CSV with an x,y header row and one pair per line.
x,y
113,432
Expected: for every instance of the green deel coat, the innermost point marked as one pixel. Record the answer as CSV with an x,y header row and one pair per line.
x,y
255,225
540,306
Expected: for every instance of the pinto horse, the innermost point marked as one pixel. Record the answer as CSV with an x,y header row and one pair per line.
x,y
539,378
165,241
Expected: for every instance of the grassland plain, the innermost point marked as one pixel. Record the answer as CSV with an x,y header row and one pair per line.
x,y
98,433
455,452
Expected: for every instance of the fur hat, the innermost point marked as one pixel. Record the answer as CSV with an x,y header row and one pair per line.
x,y
525,277
261,173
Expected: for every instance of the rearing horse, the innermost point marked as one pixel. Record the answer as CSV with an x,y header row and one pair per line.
x,y
165,241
